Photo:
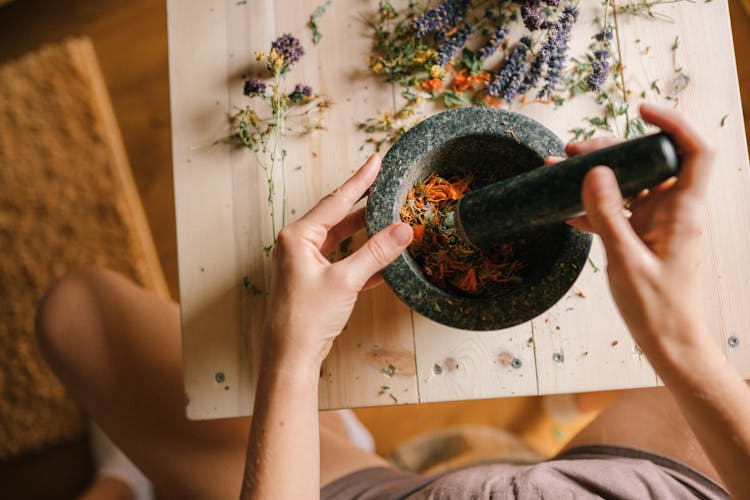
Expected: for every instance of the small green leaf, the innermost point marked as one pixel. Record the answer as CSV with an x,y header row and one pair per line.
x,y
452,99
471,61
315,19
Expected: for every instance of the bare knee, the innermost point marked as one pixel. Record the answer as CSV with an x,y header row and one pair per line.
x,y
67,313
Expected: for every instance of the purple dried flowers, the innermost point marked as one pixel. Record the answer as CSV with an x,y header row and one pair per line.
x,y
533,17
453,43
494,43
509,78
254,87
264,135
540,60
606,35
301,93
599,68
441,18
289,48
559,50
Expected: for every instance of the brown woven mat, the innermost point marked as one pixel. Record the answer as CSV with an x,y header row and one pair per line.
x,y
67,198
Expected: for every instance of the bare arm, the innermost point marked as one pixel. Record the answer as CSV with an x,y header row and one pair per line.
x,y
310,303
653,262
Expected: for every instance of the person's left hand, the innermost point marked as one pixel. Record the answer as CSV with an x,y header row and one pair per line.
x,y
312,298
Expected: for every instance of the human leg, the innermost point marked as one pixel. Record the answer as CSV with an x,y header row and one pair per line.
x,y
116,347
649,420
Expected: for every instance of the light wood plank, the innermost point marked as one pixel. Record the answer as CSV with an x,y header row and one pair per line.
x,y
313,168
205,208
223,220
582,344
456,364
712,93
379,332
562,329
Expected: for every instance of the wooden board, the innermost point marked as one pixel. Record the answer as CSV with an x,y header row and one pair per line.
x,y
580,344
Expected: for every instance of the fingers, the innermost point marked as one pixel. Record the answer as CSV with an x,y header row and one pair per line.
x,y
577,148
347,227
603,203
551,160
697,156
333,208
378,252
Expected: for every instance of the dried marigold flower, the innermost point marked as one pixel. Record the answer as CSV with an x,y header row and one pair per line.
x,y
432,85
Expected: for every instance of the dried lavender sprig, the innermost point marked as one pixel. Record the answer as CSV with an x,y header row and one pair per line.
x,y
441,17
556,62
606,35
509,78
494,42
599,70
541,59
449,47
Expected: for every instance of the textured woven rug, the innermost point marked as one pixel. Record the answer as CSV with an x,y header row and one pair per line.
x,y
67,198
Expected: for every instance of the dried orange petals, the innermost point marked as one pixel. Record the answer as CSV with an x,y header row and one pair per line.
x,y
448,261
432,85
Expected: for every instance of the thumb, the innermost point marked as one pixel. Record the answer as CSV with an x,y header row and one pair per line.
x,y
378,252
603,203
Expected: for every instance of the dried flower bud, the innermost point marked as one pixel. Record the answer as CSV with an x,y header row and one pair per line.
x,y
450,46
599,68
254,87
509,78
288,46
441,17
301,93
495,41
559,50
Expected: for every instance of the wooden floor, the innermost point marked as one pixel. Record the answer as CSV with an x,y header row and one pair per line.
x,y
131,43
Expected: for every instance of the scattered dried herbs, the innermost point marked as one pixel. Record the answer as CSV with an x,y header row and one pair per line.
x,y
424,49
447,261
250,287
272,114
315,18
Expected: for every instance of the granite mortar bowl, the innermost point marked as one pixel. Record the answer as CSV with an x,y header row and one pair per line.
x,y
477,139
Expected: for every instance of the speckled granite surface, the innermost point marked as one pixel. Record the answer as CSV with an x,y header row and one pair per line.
x,y
481,139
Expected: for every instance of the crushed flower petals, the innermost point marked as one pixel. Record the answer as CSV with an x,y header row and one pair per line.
x,y
447,261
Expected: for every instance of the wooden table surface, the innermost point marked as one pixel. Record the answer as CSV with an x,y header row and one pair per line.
x,y
580,344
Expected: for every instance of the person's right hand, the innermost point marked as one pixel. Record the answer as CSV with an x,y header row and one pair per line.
x,y
653,257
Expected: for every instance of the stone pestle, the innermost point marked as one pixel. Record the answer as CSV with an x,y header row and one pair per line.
x,y
550,194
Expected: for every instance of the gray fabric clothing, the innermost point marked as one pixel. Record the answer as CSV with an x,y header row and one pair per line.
x,y
588,472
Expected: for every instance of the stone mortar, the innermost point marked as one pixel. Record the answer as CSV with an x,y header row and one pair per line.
x,y
480,139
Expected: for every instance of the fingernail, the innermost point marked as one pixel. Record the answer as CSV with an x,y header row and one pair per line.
x,y
401,233
373,157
